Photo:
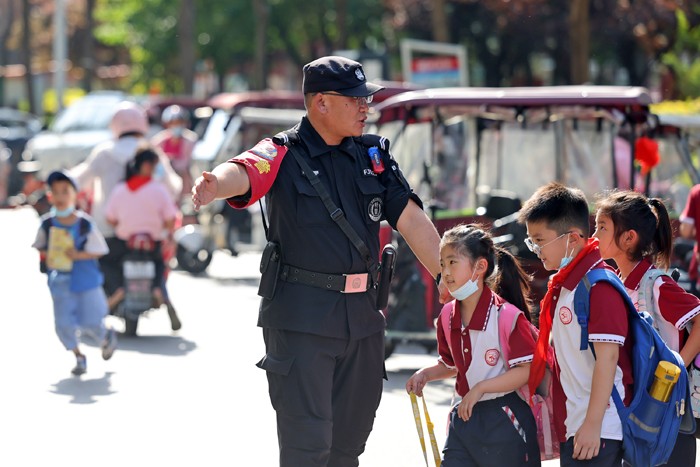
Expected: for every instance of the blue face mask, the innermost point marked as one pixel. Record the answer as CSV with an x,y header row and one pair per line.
x,y
62,212
566,260
466,291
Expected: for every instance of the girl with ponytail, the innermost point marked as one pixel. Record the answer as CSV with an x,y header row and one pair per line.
x,y
484,279
635,232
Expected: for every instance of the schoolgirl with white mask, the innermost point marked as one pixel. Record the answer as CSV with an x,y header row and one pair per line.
x,y
491,421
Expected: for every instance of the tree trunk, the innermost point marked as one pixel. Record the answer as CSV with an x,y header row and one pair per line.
x,y
262,11
579,38
27,55
186,29
89,46
439,20
7,16
341,10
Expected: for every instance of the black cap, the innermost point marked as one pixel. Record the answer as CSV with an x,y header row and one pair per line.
x,y
337,74
60,176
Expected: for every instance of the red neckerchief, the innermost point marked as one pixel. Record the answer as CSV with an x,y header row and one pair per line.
x,y
539,360
137,181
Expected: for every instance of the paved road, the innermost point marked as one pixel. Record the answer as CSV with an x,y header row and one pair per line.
x,y
176,399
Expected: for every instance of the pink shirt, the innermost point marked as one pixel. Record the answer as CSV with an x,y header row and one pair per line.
x,y
141,211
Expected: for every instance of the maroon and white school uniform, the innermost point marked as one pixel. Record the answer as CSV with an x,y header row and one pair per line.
x,y
477,353
676,306
574,373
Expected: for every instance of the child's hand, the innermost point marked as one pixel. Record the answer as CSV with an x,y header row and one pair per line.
x,y
587,441
72,253
416,383
464,411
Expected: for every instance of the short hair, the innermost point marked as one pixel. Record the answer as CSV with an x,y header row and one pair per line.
x,y
561,207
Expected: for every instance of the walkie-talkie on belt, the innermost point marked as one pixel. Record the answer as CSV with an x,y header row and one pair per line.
x,y
386,272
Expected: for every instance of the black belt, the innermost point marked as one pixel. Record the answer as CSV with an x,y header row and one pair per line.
x,y
345,283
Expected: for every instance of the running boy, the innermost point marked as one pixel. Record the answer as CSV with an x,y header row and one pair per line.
x,y
635,232
483,428
557,221
74,276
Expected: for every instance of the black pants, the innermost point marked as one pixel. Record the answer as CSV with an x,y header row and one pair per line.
x,y
609,454
118,251
490,439
325,392
683,454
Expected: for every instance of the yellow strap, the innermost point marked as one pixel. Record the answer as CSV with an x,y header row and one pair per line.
x,y
419,428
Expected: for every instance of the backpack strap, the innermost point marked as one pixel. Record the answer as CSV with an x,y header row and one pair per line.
x,y
507,318
582,298
646,300
445,316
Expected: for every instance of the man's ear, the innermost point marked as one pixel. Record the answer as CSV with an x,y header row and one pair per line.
x,y
320,103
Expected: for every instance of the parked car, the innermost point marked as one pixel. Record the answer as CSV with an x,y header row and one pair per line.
x,y
85,123
16,128
474,154
74,132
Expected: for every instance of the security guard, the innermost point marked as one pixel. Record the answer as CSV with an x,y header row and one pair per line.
x,y
323,333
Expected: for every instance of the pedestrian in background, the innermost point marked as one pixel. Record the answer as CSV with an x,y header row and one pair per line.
x,y
470,349
70,244
177,142
323,332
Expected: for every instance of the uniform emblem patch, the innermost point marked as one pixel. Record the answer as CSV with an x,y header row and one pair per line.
x,y
491,357
262,166
265,149
375,209
565,315
359,74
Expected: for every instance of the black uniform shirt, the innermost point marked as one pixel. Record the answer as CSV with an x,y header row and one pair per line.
x,y
311,240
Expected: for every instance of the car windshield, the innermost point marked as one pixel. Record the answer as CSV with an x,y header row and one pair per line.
x,y
89,113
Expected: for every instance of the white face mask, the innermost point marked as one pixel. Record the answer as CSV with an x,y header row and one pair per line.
x,y
466,290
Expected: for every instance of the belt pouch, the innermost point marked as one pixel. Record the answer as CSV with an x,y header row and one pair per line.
x,y
386,273
270,270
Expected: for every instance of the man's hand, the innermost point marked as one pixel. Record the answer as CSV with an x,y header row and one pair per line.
x,y
204,190
587,441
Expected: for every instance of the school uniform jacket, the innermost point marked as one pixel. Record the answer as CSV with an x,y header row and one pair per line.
x,y
475,351
574,367
676,306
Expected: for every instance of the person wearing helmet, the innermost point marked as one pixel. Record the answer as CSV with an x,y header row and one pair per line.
x,y
177,142
104,168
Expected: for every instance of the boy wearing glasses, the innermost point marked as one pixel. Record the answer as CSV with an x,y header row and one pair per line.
x,y
557,221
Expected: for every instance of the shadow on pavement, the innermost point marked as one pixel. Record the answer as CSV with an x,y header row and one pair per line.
x,y
173,346
83,390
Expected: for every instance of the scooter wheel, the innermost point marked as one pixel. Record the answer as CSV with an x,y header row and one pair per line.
x,y
193,262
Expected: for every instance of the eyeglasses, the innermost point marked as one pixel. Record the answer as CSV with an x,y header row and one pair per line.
x,y
360,101
537,249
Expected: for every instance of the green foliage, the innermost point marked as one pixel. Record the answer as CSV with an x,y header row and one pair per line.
x,y
684,57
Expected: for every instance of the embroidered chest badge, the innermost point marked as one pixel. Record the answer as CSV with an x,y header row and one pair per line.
x,y
565,315
376,160
374,210
491,357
